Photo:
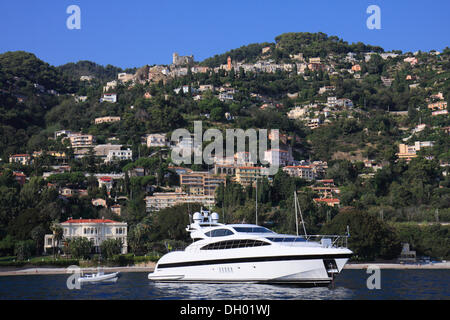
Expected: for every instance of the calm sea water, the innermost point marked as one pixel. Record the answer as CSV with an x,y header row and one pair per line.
x,y
351,284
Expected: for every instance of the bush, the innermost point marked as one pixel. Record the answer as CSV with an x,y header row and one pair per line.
x,y
111,247
432,241
80,248
7,246
24,249
123,259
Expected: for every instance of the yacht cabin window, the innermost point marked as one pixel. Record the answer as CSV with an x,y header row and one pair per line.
x,y
235,244
219,233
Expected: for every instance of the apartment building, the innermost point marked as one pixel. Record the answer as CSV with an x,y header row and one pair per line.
x,y
331,101
79,140
304,172
201,183
247,176
409,152
159,201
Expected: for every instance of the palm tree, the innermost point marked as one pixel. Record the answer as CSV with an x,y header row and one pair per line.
x,y
57,234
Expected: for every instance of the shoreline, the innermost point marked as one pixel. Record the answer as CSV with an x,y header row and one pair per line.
x,y
30,271
149,267
398,266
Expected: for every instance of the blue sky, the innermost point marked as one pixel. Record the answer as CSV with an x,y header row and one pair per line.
x,y
137,32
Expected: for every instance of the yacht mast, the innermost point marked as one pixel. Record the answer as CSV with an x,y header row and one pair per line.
x,y
296,216
256,200
296,203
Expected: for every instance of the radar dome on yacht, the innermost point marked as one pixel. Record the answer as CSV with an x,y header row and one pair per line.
x,y
215,217
198,217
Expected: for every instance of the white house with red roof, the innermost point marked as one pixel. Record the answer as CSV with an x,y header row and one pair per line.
x,y
106,181
95,230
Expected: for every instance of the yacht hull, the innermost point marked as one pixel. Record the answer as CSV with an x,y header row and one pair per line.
x,y
305,269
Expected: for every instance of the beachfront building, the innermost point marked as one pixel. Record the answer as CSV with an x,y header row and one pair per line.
x,y
95,230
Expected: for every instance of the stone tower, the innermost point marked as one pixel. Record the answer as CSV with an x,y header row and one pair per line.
x,y
175,58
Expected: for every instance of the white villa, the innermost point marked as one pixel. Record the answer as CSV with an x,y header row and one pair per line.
x,y
96,230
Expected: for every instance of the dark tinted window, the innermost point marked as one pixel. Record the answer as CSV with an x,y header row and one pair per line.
x,y
234,244
219,233
287,239
252,230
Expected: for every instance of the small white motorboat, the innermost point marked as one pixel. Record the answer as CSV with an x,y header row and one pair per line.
x,y
99,277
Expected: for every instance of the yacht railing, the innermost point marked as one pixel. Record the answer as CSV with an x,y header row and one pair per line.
x,y
336,241
332,241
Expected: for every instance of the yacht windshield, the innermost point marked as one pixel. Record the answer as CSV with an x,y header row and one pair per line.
x,y
252,230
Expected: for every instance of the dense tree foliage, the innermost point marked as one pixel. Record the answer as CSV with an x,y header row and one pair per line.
x,y
370,238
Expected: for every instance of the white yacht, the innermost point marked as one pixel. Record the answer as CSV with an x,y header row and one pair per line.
x,y
251,253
